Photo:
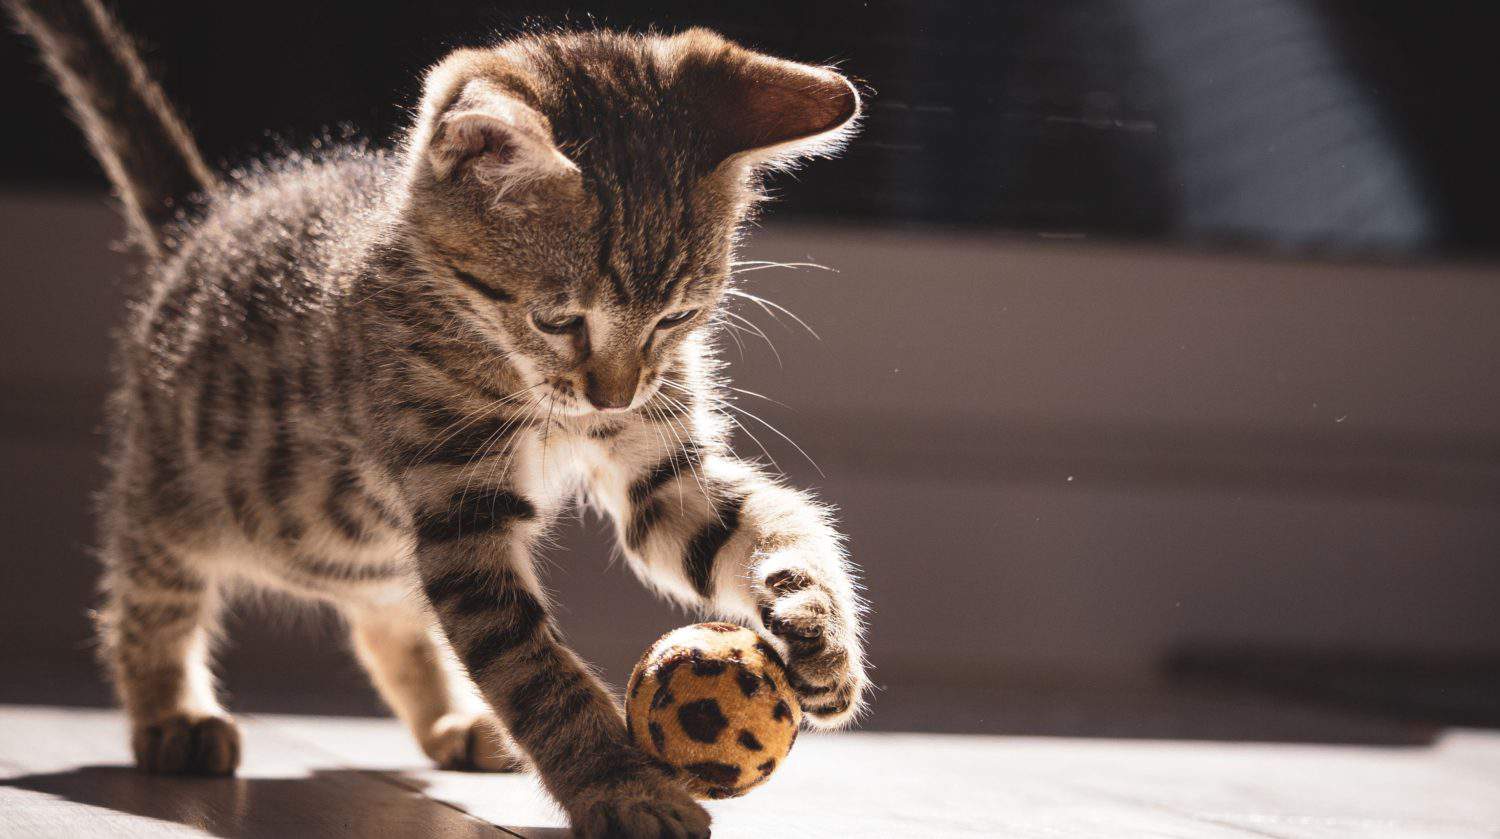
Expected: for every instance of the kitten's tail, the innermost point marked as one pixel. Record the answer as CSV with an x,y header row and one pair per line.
x,y
145,149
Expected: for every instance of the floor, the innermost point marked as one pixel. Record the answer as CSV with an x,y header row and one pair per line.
x,y
63,774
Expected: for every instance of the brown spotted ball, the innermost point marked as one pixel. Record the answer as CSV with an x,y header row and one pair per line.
x,y
712,700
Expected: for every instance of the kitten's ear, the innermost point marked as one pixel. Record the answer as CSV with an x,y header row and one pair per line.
x,y
762,110
500,140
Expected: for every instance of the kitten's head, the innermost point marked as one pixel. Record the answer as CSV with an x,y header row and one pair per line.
x,y
577,196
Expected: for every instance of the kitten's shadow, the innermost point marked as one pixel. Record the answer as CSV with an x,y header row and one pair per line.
x,y
326,802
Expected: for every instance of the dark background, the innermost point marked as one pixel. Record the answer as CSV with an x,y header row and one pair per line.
x,y
1030,115
1157,380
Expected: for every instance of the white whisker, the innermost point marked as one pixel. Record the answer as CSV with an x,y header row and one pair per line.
x,y
771,307
763,264
733,407
749,324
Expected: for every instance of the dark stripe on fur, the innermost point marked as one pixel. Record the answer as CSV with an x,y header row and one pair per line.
x,y
208,395
166,484
683,461
643,522
548,700
509,617
255,321
646,509
495,293
280,466
345,491
279,473
477,512
518,622
309,388
240,510
158,614
241,392
698,559
468,593
349,527
158,569
462,444
346,572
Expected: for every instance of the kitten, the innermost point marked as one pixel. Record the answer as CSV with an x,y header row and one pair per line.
x,y
376,379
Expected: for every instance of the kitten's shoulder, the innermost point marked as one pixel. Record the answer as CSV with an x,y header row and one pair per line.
x,y
266,249
303,208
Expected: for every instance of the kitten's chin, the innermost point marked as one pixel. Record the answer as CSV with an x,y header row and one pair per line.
x,y
572,407
559,403
577,409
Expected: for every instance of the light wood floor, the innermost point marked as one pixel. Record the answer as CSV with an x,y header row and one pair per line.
x,y
63,774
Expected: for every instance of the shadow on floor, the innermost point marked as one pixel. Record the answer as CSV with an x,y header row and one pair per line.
x,y
332,802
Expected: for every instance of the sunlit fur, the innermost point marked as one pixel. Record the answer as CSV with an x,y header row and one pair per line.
x,y
336,386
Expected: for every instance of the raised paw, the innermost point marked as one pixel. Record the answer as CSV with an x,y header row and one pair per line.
x,y
187,745
646,806
471,743
824,662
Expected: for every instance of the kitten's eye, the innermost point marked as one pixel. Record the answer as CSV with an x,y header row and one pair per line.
x,y
673,319
559,325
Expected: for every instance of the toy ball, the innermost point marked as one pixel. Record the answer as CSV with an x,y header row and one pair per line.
x,y
713,701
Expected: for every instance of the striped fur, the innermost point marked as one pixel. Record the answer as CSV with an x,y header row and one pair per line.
x,y
343,384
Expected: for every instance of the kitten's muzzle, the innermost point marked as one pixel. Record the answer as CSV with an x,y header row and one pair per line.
x,y
612,390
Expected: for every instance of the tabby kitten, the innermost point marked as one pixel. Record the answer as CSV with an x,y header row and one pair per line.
x,y
377,378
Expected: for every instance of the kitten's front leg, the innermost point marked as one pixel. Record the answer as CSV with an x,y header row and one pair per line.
x,y
717,530
474,561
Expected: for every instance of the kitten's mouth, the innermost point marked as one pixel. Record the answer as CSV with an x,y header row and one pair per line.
x,y
562,399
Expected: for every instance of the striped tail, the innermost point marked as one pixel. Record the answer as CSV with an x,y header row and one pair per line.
x,y
145,149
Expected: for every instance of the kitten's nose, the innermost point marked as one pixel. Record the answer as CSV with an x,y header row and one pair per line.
x,y
612,393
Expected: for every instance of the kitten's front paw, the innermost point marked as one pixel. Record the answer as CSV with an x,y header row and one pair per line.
x,y
649,804
185,745
824,661
472,743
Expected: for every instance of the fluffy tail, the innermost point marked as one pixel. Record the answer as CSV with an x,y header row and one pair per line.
x,y
146,151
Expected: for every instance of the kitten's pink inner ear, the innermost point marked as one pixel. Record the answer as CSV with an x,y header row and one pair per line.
x,y
772,103
466,136
501,140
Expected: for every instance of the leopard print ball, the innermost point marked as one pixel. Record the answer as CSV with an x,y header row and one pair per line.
x,y
712,700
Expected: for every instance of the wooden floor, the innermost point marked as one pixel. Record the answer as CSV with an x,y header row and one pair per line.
x,y
63,774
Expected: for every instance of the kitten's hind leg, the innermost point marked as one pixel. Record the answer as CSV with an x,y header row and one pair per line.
x,y
422,682
155,629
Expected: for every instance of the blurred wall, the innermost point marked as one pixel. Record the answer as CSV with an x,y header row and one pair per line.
x,y
1054,460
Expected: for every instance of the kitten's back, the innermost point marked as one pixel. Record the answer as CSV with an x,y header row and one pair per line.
x,y
266,253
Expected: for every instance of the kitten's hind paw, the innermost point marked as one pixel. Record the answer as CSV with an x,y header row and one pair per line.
x,y
471,743
187,745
